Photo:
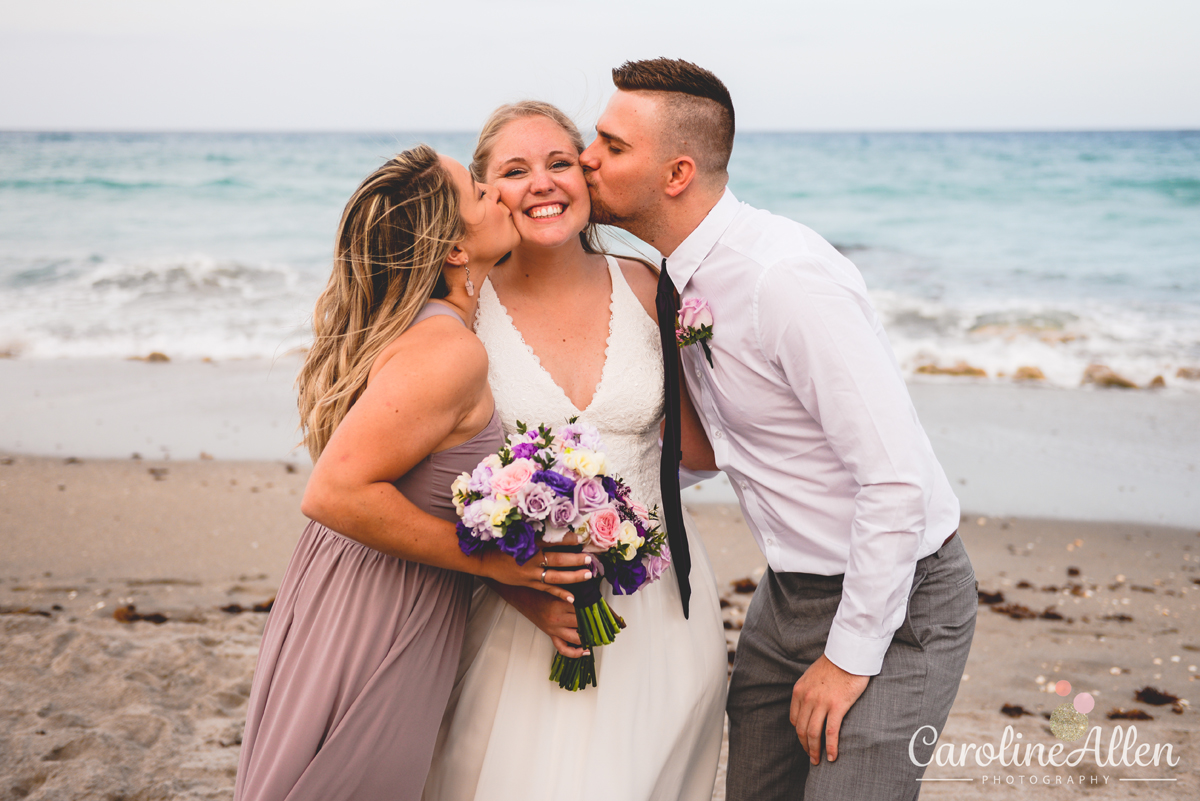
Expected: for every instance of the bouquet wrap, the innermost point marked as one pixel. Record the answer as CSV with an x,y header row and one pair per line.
x,y
597,623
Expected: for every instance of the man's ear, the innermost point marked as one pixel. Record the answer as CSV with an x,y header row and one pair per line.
x,y
683,172
458,257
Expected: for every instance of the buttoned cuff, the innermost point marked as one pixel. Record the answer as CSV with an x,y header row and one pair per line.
x,y
854,653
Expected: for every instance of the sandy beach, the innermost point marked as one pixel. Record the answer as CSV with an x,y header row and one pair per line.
x,y
129,586
96,707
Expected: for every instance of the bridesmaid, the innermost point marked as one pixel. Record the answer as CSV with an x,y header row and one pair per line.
x,y
359,653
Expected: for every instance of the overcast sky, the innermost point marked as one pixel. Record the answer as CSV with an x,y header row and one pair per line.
x,y
404,66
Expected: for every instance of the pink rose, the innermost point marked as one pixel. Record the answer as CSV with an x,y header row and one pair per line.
x,y
509,479
642,512
694,313
602,529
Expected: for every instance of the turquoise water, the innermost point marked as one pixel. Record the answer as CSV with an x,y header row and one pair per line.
x,y
1048,249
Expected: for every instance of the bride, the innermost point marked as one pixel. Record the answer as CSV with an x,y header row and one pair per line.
x,y
571,332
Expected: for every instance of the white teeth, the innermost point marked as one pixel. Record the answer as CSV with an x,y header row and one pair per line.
x,y
546,211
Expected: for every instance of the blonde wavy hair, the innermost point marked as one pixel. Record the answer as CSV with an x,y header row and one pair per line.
x,y
395,235
589,237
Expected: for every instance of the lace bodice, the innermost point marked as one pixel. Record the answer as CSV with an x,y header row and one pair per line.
x,y
627,405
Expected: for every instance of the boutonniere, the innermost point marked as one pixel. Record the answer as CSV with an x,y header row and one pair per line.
x,y
695,324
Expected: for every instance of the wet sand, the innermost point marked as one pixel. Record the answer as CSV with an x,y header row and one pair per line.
x,y
90,706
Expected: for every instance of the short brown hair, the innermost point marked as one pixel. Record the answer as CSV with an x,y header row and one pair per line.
x,y
699,110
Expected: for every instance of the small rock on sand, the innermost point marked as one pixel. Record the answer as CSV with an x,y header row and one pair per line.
x,y
1027,373
1103,376
960,369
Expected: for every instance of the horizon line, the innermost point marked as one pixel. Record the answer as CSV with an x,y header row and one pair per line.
x,y
457,131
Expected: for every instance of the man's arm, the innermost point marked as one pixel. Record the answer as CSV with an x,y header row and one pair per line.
x,y
817,330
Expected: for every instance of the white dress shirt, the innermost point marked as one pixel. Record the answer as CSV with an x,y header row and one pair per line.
x,y
810,419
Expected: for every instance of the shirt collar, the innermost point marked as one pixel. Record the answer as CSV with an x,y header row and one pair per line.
x,y
683,263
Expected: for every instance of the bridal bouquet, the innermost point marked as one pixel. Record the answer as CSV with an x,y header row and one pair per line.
x,y
549,484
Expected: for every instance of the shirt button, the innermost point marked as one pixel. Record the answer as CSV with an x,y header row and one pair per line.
x,y
744,484
718,434
697,372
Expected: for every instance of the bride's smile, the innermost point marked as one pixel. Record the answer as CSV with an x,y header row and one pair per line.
x,y
536,169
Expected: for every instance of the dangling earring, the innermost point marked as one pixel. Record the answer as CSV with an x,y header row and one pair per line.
x,y
470,286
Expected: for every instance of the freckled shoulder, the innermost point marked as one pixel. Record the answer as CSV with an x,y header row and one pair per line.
x,y
440,355
643,280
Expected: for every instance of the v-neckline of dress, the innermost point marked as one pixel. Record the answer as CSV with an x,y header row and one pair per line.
x,y
610,263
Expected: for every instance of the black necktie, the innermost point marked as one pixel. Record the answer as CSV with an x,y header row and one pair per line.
x,y
671,453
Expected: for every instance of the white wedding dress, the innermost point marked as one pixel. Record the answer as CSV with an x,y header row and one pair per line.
x,y
652,728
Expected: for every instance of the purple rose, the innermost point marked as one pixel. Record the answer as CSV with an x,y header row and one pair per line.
x,y
525,450
627,577
562,512
555,481
534,500
519,542
590,495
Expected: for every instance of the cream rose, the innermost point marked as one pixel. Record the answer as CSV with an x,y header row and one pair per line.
x,y
585,462
629,540
496,518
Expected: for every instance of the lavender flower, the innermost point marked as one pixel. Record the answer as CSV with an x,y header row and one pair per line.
x,y
590,495
657,565
478,514
562,513
580,435
481,480
534,500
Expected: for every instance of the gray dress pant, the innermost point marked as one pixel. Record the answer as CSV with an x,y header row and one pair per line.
x,y
786,628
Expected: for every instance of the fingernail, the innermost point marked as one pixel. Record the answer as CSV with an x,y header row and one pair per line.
x,y
589,574
570,599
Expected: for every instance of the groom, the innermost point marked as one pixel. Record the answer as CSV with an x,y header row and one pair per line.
x,y
859,632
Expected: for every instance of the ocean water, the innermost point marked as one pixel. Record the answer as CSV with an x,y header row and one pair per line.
x,y
1052,250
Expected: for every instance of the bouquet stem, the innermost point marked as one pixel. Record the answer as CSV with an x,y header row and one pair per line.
x,y
598,625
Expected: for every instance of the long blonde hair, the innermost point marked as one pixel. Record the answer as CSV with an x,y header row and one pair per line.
x,y
395,235
589,237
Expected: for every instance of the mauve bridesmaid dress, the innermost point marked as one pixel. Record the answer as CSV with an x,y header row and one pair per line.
x,y
359,656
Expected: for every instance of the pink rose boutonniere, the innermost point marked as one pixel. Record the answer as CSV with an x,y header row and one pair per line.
x,y
695,324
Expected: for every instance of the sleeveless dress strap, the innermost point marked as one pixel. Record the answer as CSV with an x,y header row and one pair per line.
x,y
432,309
